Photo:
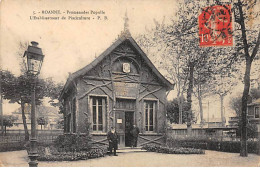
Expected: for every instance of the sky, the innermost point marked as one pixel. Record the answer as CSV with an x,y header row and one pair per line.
x,y
69,45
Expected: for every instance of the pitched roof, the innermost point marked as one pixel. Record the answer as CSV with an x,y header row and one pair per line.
x,y
256,102
119,41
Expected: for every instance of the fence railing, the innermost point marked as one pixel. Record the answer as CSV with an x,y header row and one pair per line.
x,y
44,136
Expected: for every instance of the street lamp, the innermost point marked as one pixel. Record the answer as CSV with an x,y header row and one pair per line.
x,y
34,58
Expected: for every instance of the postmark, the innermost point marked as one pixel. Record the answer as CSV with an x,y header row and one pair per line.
x,y
215,26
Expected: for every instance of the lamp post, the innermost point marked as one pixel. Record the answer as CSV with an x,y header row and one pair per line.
x,y
34,58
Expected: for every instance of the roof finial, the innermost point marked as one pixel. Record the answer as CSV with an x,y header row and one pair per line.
x,y
126,25
126,31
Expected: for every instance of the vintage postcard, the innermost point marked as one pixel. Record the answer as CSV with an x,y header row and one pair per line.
x,y
117,83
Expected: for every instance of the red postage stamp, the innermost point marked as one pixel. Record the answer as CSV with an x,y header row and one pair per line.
x,y
215,26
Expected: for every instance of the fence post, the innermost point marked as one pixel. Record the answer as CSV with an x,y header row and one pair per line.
x,y
51,136
19,137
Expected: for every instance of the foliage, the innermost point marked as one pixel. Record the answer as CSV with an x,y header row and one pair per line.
x,y
70,156
180,150
60,123
18,90
8,120
175,47
12,146
172,110
251,130
247,36
235,104
42,121
73,142
53,91
212,144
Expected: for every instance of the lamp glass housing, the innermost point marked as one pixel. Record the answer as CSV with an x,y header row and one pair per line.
x,y
34,63
34,59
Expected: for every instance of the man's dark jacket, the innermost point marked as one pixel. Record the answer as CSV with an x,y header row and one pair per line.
x,y
135,132
112,139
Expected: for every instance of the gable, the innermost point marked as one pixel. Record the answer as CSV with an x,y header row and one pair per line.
x,y
124,50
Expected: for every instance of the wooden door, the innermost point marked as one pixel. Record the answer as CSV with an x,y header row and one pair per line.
x,y
120,128
129,122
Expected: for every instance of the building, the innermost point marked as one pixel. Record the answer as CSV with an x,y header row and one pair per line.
x,y
253,112
215,123
51,113
252,116
233,121
119,88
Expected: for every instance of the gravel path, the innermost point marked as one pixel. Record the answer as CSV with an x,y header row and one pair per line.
x,y
137,159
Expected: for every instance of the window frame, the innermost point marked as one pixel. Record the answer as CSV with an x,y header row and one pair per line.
x,y
255,108
104,114
155,111
73,115
69,117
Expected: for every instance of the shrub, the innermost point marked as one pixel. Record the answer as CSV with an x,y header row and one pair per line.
x,y
73,142
180,150
224,146
12,146
70,147
72,156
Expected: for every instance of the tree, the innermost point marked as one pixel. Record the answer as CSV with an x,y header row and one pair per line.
x,y
179,55
222,86
235,104
18,89
8,121
60,123
172,110
247,45
42,121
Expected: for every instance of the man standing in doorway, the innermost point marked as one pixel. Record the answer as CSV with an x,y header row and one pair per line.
x,y
112,139
135,132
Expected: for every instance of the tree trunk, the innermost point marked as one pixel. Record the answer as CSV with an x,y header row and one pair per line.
x,y
221,109
1,109
189,100
243,149
200,105
26,133
180,103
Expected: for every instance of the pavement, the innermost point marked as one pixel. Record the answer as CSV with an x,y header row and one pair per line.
x,y
139,158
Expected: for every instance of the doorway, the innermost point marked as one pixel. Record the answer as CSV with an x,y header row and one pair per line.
x,y
124,120
129,121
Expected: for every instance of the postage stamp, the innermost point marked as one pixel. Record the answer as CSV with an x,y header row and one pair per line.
x,y
215,26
